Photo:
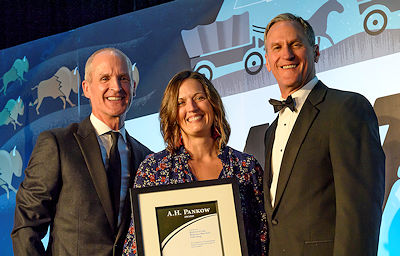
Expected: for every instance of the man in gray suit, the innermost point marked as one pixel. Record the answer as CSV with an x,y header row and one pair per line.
x,y
77,178
324,164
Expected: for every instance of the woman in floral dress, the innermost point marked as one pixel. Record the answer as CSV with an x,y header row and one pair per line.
x,y
196,132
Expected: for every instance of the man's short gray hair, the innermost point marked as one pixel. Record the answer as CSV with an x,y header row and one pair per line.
x,y
308,30
88,65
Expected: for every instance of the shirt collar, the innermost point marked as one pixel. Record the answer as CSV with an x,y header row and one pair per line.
x,y
101,128
301,94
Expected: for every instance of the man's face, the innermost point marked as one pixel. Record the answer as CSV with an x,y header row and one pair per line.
x,y
290,56
109,87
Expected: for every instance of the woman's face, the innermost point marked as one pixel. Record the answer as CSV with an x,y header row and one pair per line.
x,y
195,113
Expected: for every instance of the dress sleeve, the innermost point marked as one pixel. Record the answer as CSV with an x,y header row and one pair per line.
x,y
258,208
145,176
141,180
252,202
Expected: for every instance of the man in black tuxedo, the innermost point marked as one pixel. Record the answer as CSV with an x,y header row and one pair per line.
x,y
77,178
324,164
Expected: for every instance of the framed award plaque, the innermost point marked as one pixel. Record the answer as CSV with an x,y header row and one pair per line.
x,y
197,218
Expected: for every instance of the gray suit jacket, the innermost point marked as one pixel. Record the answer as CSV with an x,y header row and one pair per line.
x,y
331,182
255,143
65,187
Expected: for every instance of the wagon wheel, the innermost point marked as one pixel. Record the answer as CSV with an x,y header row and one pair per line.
x,y
253,63
206,71
379,26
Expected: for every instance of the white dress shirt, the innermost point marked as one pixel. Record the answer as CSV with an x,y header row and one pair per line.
x,y
286,121
105,142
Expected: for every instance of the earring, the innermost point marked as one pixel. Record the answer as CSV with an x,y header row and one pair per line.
x,y
180,139
215,133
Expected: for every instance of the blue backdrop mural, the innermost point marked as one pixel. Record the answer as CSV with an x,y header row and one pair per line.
x,y
359,43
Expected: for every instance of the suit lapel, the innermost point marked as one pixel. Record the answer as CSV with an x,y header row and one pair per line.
x,y
134,164
268,142
87,141
303,123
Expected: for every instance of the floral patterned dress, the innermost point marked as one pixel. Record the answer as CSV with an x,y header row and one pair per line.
x,y
164,168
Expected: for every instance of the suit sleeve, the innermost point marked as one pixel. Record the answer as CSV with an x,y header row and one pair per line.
x,y
36,197
358,164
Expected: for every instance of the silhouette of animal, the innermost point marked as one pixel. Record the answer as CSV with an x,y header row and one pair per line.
x,y
16,72
11,111
10,164
58,86
319,20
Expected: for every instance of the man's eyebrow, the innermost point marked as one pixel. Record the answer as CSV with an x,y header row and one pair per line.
x,y
103,74
278,41
274,44
297,40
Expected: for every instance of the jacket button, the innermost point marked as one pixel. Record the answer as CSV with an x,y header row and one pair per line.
x,y
274,222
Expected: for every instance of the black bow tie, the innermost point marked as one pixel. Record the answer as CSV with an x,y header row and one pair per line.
x,y
279,105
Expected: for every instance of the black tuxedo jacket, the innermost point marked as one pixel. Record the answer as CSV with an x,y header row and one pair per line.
x,y
65,187
331,182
